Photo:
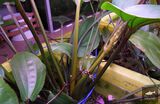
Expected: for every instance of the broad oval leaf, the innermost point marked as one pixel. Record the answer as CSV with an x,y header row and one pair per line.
x,y
7,95
91,39
137,15
29,73
149,43
125,3
63,48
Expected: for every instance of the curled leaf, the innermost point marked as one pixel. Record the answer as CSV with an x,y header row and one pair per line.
x,y
137,15
63,48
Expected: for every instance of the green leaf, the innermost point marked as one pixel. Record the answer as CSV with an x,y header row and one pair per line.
x,y
7,95
63,48
62,99
125,3
29,73
149,43
137,15
92,34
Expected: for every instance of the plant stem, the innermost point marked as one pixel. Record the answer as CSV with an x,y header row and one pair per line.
x,y
47,42
158,1
27,101
109,45
19,27
57,94
90,41
90,2
75,48
106,49
22,12
128,33
8,40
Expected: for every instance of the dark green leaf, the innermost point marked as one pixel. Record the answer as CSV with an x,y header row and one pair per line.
x,y
7,95
62,99
63,48
29,73
91,39
137,15
154,74
149,43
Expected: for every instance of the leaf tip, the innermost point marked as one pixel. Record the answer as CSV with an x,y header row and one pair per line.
x,y
104,5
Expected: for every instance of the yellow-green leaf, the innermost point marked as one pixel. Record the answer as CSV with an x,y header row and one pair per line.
x,y
137,15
